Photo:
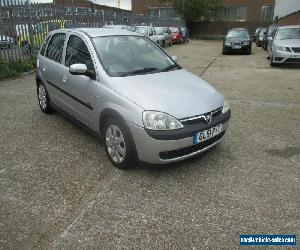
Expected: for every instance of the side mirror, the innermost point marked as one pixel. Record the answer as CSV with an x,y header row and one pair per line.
x,y
78,69
174,58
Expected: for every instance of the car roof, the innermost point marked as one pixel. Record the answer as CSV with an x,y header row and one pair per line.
x,y
96,32
290,26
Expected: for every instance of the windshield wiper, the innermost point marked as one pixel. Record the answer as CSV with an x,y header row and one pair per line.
x,y
173,66
139,71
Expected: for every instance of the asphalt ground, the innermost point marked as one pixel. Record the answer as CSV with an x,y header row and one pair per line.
x,y
59,191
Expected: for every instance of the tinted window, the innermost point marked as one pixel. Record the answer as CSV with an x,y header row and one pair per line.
x,y
77,52
43,49
55,47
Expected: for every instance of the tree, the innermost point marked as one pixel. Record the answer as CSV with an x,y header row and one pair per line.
x,y
194,10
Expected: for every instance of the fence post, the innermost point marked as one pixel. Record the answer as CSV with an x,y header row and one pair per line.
x,y
30,30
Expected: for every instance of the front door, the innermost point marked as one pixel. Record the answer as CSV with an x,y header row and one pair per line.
x,y
80,89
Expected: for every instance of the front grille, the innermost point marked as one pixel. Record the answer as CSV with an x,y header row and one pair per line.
x,y
189,150
200,118
296,50
293,60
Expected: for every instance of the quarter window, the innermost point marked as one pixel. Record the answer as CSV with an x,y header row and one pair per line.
x,y
55,47
77,52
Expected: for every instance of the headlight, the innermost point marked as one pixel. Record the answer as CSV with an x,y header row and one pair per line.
x,y
160,121
227,43
246,43
279,48
225,107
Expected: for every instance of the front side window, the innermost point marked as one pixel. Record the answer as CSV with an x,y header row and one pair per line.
x,y
131,55
289,33
43,49
77,52
55,47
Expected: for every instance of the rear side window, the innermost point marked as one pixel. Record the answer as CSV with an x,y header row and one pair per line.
x,y
55,47
77,52
43,49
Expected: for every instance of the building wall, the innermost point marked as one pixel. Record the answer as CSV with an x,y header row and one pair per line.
x,y
254,7
141,7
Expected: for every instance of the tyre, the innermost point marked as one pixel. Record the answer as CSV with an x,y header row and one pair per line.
x,y
119,145
224,52
43,98
271,61
171,44
248,51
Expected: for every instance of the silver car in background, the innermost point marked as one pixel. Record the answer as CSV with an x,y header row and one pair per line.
x,y
127,90
164,36
285,46
147,31
120,27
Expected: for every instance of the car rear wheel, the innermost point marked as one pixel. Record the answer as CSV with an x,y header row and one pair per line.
x,y
119,145
43,98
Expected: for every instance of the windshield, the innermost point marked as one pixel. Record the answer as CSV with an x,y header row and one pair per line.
x,y
289,33
160,31
142,30
131,55
238,33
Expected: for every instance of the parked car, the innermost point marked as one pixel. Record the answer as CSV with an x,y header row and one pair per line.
x,y
268,34
285,45
6,42
177,36
237,40
260,37
125,89
147,31
255,34
121,27
164,36
185,34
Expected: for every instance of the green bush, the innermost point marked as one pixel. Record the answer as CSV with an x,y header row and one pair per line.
x,y
11,69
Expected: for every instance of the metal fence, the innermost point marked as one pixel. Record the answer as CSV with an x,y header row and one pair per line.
x,y
24,25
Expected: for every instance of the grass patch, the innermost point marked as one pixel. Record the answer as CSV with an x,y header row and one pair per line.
x,y
12,69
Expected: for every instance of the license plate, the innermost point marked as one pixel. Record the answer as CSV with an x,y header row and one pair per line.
x,y
236,47
207,134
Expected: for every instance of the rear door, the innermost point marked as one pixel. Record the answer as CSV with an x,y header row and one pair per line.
x,y
53,69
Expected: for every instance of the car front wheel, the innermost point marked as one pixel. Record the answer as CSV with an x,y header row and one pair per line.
x,y
43,98
119,145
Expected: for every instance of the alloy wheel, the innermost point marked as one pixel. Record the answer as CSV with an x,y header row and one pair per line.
x,y
115,144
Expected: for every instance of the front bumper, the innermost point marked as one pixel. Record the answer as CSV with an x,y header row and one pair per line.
x,y
285,57
231,48
167,150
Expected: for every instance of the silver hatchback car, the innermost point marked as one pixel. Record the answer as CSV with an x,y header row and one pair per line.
x,y
131,93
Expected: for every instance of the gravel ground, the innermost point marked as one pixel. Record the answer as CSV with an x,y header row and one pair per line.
x,y
58,189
